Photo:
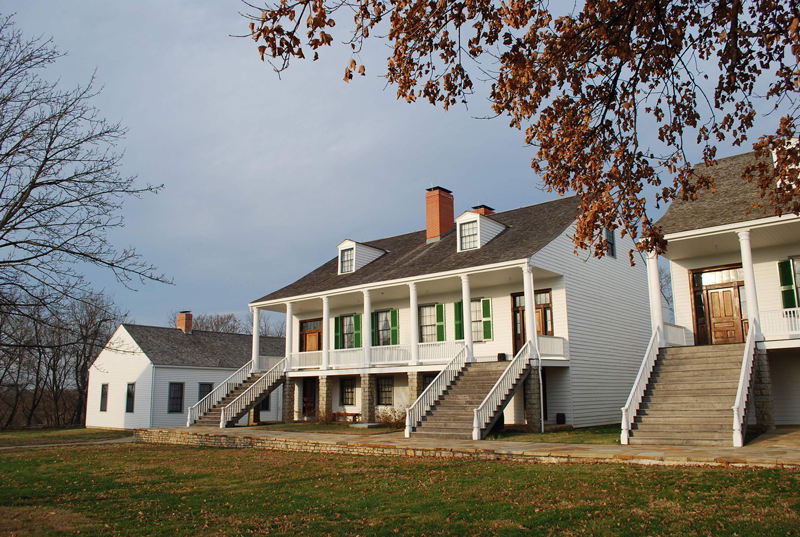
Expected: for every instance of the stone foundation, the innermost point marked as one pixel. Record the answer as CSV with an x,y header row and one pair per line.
x,y
762,393
533,408
325,408
368,398
288,401
414,385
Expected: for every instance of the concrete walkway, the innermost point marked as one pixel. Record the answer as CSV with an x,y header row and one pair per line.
x,y
779,448
125,440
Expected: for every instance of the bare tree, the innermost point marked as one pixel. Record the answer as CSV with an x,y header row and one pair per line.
x,y
219,322
60,186
267,325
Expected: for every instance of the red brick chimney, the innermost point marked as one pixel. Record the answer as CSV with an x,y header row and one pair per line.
x,y
438,212
185,322
484,210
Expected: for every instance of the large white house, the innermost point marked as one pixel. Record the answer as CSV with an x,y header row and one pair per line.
x,y
735,356
468,311
147,376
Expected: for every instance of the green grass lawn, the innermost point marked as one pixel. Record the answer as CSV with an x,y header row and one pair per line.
x,y
316,427
141,489
605,434
38,437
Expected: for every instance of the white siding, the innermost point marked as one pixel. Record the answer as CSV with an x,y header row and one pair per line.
x,y
337,394
559,393
362,254
609,325
275,402
765,267
121,362
191,377
785,371
488,229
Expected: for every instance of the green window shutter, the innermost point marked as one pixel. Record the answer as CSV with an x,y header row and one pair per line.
x,y
374,329
787,284
337,333
357,330
440,333
395,315
458,308
486,306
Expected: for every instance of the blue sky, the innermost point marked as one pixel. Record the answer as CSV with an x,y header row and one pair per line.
x,y
263,176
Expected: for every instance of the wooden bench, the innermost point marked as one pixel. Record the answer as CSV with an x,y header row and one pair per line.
x,y
353,417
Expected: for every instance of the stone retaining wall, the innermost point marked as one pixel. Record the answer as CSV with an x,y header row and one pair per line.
x,y
192,438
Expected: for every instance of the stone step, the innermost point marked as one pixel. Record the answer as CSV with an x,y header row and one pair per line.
x,y
689,406
428,425
679,441
691,388
720,413
705,349
679,435
695,374
695,428
674,365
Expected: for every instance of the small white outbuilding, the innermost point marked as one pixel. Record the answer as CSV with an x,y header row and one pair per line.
x,y
147,376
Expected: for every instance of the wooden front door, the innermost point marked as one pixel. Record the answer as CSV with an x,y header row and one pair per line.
x,y
310,396
310,335
720,315
724,317
518,320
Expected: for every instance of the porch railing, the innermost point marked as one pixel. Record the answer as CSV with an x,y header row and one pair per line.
x,y
391,354
640,385
439,352
347,358
265,363
435,389
740,406
784,322
235,407
487,409
217,394
551,345
674,335
307,360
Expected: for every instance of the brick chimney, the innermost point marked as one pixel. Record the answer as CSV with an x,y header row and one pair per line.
x,y
185,322
438,212
484,210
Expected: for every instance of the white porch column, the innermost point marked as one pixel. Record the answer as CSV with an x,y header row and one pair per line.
x,y
289,337
256,339
466,301
366,329
326,332
412,290
654,288
750,282
530,305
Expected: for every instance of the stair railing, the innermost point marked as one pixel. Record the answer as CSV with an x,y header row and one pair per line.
x,y
217,394
740,406
640,385
247,397
435,389
486,411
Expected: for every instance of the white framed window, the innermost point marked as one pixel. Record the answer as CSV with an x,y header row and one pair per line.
x,y
383,328
468,232
348,332
477,320
611,241
347,260
427,323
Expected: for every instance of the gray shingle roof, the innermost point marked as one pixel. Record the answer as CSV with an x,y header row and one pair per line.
x,y
728,205
170,346
529,230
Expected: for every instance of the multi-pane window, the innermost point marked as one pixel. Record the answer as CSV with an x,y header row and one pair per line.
x,y
477,320
347,258
265,405
386,391
348,332
427,378
611,241
103,397
427,324
129,398
383,328
544,312
203,389
796,264
348,392
469,235
175,402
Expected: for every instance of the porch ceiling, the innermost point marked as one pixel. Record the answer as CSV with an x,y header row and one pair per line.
x,y
723,242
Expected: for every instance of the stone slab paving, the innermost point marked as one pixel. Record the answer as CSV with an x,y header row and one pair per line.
x,y
779,448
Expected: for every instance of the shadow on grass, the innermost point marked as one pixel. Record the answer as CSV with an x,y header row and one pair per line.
x,y
324,428
604,434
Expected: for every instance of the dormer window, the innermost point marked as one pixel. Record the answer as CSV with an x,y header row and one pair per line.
x,y
347,260
469,235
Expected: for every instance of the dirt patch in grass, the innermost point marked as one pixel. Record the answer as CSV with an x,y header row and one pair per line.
x,y
604,434
38,520
42,437
327,428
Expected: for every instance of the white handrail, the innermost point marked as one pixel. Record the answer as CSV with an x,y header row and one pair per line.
x,y
640,385
217,394
435,389
739,410
485,412
780,323
250,394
